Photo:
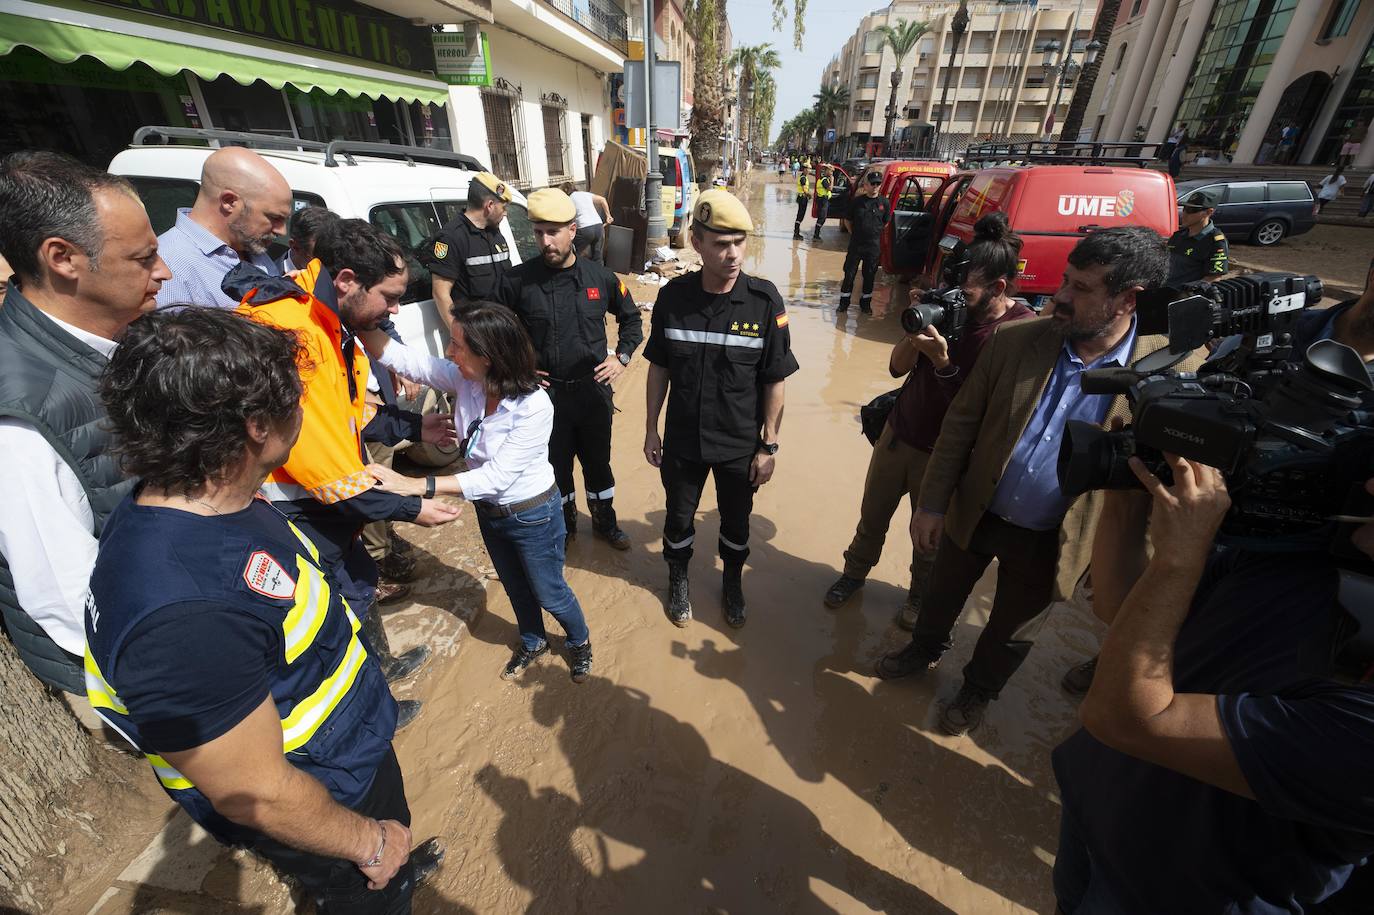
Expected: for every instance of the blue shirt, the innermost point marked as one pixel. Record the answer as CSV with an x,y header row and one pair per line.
x,y
199,262
1028,494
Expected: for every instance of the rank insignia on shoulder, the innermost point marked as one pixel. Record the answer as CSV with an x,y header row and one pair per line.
x,y
734,326
441,249
266,576
593,294
1218,237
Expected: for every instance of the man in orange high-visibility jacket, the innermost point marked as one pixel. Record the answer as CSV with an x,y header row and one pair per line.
x,y
356,280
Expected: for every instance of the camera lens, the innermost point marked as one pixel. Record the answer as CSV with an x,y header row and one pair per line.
x,y
916,318
1091,458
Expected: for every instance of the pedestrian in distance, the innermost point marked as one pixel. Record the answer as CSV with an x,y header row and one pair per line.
x,y
868,214
220,643
83,264
508,419
1330,188
593,215
563,301
241,208
1367,197
934,369
1176,158
803,200
719,352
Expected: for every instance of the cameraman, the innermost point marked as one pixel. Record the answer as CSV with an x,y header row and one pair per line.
x,y
1221,767
934,370
991,489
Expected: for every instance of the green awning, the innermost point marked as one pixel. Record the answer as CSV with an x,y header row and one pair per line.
x,y
64,42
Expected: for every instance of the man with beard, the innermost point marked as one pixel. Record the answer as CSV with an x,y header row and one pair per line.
x,y
991,490
242,206
935,369
356,280
563,300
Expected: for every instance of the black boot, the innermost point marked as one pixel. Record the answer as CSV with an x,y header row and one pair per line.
x,y
679,603
732,594
569,522
394,667
796,232
844,303
605,526
425,859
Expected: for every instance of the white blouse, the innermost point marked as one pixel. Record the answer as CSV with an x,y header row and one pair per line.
x,y
509,452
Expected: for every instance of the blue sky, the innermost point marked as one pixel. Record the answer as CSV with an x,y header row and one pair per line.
x,y
829,23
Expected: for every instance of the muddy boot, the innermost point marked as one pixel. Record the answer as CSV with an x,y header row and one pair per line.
x,y
679,604
580,661
569,522
796,232
425,859
605,526
394,667
910,610
732,594
407,710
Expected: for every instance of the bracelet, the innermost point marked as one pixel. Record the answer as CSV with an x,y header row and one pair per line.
x,y
376,859
429,487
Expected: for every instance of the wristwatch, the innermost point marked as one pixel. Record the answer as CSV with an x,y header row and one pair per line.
x,y
768,448
623,357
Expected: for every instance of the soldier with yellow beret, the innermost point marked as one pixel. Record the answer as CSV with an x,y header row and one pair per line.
x,y
563,300
469,256
719,351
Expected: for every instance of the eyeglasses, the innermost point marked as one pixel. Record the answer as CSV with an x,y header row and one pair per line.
x,y
1194,209
470,438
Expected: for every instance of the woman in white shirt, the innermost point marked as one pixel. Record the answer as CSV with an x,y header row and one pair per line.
x,y
507,419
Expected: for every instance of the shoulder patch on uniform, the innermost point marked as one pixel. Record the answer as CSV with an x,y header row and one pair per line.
x,y
441,249
266,576
594,293
623,290
781,319
1218,237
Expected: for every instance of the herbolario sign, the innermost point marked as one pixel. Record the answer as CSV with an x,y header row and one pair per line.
x,y
340,26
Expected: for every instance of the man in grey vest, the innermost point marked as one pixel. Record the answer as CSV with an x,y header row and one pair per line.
x,y
85,264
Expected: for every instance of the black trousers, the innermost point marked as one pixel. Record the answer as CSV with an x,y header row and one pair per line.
x,y
589,242
822,214
683,481
582,429
1026,563
802,203
868,255
337,886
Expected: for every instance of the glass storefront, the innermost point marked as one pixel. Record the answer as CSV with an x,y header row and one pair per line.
x,y
1241,41
1355,113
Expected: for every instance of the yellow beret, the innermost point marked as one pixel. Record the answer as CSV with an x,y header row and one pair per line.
x,y
549,204
493,184
720,211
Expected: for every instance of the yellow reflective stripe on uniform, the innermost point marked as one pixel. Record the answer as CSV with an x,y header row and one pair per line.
x,y
307,615
314,553
311,712
100,692
167,774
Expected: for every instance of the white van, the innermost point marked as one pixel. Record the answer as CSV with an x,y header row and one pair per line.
x,y
409,192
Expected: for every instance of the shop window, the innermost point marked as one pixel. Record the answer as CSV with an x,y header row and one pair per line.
x,y
555,149
498,112
162,197
252,109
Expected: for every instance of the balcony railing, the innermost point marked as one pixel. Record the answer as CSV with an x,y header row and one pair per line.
x,y
604,20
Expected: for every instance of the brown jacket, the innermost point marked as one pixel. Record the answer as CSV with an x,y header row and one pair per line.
x,y
986,420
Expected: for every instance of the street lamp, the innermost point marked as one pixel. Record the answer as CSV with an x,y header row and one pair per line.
x,y
958,26
1064,72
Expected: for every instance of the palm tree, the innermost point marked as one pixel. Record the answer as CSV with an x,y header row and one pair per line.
x,y
705,19
765,101
901,38
830,101
751,60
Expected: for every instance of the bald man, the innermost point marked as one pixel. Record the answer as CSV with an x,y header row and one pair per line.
x,y
243,204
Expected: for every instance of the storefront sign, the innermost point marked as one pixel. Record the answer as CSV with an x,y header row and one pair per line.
x,y
456,64
340,26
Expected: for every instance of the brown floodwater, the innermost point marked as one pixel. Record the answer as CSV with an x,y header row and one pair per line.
x,y
712,770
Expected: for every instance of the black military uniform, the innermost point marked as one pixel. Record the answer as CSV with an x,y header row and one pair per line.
x,y
1202,256
475,259
867,216
719,350
565,313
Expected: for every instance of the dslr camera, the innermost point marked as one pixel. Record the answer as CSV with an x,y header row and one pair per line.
x,y
1295,441
946,310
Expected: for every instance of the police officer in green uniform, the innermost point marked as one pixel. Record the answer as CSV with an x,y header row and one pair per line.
x,y
563,300
1198,250
469,256
719,352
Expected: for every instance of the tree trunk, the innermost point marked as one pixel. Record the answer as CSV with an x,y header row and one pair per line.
x,y
1082,93
44,753
708,108
891,117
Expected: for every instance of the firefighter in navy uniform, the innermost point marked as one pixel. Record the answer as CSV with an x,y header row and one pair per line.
x,y
563,300
719,352
469,256
868,214
219,642
1198,250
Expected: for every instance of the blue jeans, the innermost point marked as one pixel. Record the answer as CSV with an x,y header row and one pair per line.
x,y
527,550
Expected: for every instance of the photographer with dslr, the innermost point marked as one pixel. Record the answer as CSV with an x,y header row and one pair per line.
x,y
991,489
1223,762
934,367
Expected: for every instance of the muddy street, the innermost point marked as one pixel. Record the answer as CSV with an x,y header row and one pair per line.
x,y
750,771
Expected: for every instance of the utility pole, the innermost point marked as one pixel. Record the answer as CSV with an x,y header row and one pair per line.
x,y
656,233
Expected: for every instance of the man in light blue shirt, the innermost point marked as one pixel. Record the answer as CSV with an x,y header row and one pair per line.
x,y
243,204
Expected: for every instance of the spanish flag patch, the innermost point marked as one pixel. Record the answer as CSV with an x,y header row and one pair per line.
x,y
782,319
623,290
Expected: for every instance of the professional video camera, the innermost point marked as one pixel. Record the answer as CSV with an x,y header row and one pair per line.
x,y
1294,441
946,310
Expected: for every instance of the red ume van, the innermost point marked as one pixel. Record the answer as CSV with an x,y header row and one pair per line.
x,y
1050,206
